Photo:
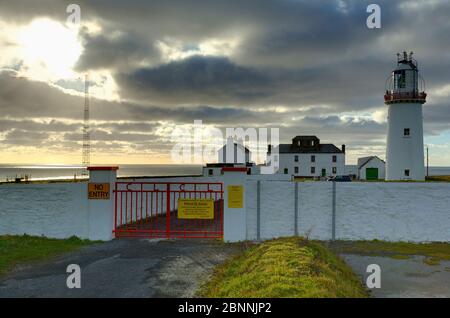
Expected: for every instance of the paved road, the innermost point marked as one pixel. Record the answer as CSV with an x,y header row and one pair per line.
x,y
404,277
123,268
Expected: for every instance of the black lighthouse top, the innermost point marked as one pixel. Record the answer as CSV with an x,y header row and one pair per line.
x,y
403,83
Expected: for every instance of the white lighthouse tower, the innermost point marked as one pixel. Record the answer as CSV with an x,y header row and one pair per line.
x,y
404,98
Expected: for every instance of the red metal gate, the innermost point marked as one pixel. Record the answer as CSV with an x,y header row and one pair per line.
x,y
150,209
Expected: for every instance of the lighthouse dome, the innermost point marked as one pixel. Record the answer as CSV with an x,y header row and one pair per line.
x,y
405,66
404,81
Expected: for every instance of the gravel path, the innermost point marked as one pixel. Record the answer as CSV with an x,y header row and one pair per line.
x,y
123,268
404,277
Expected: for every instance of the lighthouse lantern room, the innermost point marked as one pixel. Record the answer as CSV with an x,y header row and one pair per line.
x,y
405,95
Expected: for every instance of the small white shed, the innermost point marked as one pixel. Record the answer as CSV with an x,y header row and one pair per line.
x,y
371,168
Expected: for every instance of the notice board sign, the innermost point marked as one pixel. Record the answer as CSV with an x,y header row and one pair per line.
x,y
98,191
196,209
235,197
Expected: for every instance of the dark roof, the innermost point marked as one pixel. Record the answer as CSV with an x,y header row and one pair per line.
x,y
323,148
305,137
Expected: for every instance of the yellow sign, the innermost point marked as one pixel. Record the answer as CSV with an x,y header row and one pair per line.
x,y
235,197
98,191
196,209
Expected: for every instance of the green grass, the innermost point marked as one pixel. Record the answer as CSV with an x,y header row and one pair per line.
x,y
287,267
16,250
433,252
438,178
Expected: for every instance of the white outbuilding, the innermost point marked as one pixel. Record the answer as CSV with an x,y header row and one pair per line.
x,y
371,168
233,155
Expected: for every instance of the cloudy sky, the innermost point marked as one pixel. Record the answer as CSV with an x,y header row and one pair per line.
x,y
307,67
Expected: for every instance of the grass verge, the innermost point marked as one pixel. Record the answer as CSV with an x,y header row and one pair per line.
x,y
433,252
438,178
287,267
15,250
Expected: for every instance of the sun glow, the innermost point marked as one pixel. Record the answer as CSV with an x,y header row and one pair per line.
x,y
50,48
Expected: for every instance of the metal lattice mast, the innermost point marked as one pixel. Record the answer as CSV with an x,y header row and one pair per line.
x,y
86,132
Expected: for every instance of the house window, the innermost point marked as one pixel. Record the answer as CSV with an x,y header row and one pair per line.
x,y
406,132
407,173
313,158
313,170
296,170
334,170
296,158
210,172
334,158
286,170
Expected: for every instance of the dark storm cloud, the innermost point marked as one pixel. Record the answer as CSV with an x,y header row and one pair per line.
x,y
315,58
38,100
114,49
19,137
196,80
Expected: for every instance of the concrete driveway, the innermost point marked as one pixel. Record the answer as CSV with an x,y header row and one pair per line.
x,y
123,268
404,278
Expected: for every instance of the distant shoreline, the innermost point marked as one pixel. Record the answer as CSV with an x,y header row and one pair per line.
x,y
81,180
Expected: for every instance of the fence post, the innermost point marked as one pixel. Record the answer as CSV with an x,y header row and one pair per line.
x,y
258,210
296,209
168,210
101,202
333,220
235,215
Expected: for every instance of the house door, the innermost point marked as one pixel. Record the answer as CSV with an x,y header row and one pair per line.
x,y
324,172
371,173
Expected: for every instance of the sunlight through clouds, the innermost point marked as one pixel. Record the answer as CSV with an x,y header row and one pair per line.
x,y
49,49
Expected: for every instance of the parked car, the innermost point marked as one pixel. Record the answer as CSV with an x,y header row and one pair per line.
x,y
340,179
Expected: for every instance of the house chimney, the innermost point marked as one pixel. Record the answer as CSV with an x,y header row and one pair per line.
x,y
343,148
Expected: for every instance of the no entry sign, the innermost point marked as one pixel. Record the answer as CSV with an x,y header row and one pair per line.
x,y
98,191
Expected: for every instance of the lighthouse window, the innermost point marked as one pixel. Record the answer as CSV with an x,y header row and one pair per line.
x,y
400,79
406,132
407,173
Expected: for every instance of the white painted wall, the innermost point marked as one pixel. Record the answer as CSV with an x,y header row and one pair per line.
x,y
377,163
386,211
233,153
216,171
365,211
304,164
393,211
405,152
53,210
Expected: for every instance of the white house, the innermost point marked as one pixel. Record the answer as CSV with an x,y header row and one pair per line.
x,y
231,155
234,153
371,168
307,157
